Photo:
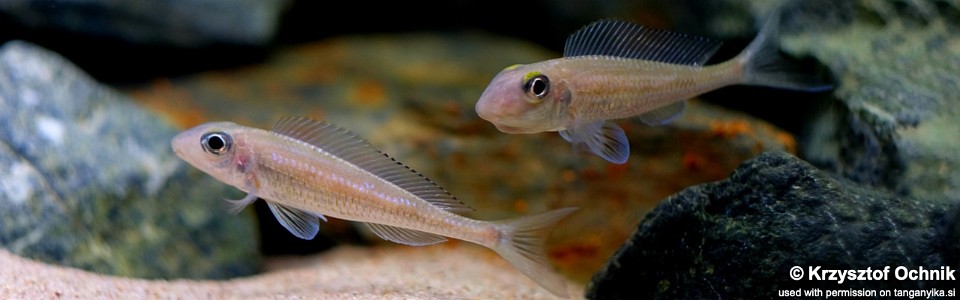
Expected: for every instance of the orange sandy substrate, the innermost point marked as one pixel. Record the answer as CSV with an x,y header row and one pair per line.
x,y
454,271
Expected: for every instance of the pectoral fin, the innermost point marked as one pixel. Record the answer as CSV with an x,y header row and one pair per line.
x,y
663,115
405,236
302,224
602,138
237,205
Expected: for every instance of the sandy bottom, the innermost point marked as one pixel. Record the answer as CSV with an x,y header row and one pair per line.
x,y
449,271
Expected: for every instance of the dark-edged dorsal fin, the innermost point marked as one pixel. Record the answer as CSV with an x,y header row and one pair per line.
x,y
629,40
351,148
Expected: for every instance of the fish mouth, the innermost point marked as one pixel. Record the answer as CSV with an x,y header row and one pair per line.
x,y
176,143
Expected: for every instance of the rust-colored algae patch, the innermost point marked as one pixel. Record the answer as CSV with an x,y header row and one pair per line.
x,y
226,85
764,135
573,252
521,206
787,141
730,128
693,161
617,172
369,93
174,103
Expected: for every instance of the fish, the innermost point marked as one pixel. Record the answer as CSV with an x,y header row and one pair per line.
x,y
614,69
307,170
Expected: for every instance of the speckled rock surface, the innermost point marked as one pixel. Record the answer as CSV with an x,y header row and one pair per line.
x,y
892,120
740,237
413,96
450,271
87,179
180,23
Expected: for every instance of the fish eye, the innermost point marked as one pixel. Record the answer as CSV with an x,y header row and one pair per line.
x,y
537,86
216,143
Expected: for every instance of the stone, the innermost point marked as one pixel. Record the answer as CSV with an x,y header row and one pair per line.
x,y
181,23
88,180
891,119
740,237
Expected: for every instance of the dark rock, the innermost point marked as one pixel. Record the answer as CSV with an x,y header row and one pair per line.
x,y
88,180
738,238
183,23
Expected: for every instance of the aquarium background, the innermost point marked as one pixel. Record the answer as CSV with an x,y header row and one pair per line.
x,y
749,182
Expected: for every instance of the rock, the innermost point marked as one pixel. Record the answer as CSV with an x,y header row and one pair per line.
x,y
413,96
891,120
182,23
896,120
88,180
740,237
450,271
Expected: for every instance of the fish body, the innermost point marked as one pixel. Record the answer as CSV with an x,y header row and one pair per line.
x,y
306,170
614,69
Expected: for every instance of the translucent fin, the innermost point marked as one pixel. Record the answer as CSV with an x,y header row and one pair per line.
x,y
602,138
235,206
664,115
763,65
405,236
628,40
522,242
302,224
351,148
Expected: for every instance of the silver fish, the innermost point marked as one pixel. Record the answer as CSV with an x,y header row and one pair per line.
x,y
614,69
306,169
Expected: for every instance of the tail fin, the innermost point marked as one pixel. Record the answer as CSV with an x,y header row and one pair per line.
x,y
522,245
763,65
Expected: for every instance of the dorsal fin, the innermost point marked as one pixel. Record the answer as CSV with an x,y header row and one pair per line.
x,y
351,148
629,40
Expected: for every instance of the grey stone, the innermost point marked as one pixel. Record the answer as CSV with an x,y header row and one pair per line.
x,y
739,238
892,118
88,180
184,23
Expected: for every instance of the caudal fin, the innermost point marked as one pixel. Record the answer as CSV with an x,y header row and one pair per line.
x,y
522,244
763,65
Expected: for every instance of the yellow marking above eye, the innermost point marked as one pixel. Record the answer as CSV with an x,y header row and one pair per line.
x,y
511,67
531,75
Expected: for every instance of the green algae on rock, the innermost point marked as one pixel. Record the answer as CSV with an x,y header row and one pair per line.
x,y
88,180
893,117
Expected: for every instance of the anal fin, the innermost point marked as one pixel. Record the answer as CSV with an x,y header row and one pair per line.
x,y
302,224
405,236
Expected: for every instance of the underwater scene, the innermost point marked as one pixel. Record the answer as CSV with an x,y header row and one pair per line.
x,y
647,149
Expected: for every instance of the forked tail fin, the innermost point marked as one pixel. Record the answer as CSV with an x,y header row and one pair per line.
x,y
522,242
763,65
